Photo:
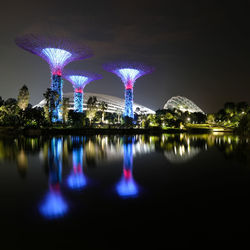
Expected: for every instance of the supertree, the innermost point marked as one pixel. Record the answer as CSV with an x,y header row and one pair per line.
x,y
128,72
79,80
57,53
127,187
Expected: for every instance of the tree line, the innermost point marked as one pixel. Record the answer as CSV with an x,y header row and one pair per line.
x,y
19,113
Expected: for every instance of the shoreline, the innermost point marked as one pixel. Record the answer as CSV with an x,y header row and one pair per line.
x,y
8,131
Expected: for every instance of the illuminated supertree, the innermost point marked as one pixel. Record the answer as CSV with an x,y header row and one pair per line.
x,y
76,179
79,80
128,72
57,53
127,186
54,205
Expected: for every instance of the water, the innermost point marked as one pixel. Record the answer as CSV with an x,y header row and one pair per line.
x,y
169,190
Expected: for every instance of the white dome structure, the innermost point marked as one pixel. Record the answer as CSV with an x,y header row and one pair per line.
x,y
183,104
115,104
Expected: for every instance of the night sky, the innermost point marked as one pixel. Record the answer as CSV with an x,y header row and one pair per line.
x,y
200,49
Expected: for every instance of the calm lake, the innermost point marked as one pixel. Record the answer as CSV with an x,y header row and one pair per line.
x,y
126,191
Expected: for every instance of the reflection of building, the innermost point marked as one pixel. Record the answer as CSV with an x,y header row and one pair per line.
x,y
180,154
115,104
181,148
183,104
127,186
54,205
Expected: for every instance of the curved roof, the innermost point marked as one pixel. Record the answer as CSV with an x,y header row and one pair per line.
x,y
115,104
183,104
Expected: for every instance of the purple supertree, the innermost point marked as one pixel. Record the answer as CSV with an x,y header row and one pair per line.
x,y
79,80
128,72
57,53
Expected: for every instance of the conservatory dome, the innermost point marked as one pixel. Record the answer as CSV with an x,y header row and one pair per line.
x,y
183,104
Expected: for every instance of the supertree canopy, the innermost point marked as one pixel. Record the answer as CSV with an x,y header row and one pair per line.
x,y
128,72
57,53
79,80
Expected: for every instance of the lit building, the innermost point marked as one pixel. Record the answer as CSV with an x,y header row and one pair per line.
x,y
183,104
115,104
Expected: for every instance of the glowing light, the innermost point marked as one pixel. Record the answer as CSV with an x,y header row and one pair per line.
x,y
78,101
128,72
57,57
127,186
129,75
77,180
128,110
54,206
78,81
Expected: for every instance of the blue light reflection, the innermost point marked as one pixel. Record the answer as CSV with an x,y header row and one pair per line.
x,y
54,205
127,187
76,179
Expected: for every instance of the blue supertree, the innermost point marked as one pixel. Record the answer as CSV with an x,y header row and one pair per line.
x,y
127,187
54,205
76,179
79,80
58,53
128,72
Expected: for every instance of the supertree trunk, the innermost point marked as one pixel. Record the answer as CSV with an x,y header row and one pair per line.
x,y
78,100
56,85
129,103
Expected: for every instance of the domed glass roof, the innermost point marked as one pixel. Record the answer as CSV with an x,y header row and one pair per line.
x,y
183,104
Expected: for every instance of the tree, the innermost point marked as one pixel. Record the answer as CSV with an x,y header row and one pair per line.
x,y
77,119
210,118
119,113
91,108
23,97
103,107
229,108
65,109
9,113
1,101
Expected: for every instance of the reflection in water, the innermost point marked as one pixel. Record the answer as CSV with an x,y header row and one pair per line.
x,y
54,205
127,186
76,179
177,148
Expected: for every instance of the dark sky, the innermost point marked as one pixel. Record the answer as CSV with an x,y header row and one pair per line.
x,y
200,49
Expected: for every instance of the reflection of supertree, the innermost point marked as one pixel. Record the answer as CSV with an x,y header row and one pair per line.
x,y
77,180
127,186
57,53
79,80
54,205
128,72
